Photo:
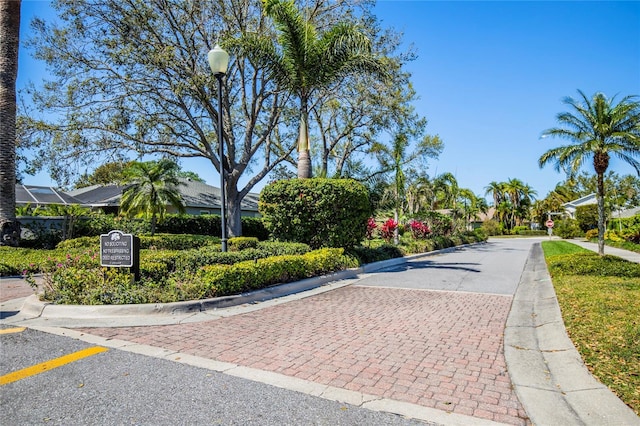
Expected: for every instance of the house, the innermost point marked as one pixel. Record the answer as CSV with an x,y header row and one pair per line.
x,y
571,206
42,196
198,198
622,214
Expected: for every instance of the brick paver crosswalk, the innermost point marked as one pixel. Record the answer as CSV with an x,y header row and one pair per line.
x,y
437,349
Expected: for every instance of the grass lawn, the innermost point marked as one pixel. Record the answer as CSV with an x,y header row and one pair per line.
x,y
601,312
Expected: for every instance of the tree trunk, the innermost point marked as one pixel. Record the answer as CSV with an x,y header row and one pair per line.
x,y
153,224
304,158
396,232
600,199
233,205
9,41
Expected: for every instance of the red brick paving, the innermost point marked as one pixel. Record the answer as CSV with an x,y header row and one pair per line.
x,y
14,288
436,349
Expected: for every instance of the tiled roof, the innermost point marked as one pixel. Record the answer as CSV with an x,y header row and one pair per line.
x,y
99,195
194,195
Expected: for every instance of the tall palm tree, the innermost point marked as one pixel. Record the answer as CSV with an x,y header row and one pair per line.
x,y
152,186
9,41
447,190
596,128
306,60
496,189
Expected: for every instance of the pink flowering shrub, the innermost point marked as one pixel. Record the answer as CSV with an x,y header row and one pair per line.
x,y
387,229
371,228
419,229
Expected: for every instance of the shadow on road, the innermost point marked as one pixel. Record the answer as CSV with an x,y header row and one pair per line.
x,y
427,264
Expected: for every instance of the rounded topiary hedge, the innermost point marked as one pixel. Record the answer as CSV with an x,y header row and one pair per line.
x,y
318,212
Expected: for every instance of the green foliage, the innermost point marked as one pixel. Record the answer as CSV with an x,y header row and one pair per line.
x,y
279,248
567,228
587,217
590,263
7,270
176,241
492,227
209,225
419,245
156,242
480,234
242,243
103,224
81,242
221,280
19,261
517,230
318,212
440,224
254,227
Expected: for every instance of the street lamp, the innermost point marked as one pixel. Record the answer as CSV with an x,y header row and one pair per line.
x,y
218,61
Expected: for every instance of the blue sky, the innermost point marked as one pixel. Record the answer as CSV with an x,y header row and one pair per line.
x,y
491,77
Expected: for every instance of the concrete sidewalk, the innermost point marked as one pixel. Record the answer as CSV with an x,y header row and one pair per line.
x,y
614,251
437,356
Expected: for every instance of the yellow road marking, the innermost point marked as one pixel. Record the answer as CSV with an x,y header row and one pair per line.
x,y
12,330
49,365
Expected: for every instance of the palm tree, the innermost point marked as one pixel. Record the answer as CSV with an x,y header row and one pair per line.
x,y
447,191
9,41
305,61
496,189
152,186
597,128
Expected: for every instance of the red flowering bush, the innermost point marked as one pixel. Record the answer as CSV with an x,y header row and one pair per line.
x,y
371,228
419,229
387,229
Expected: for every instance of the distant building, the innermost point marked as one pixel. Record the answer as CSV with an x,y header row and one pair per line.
x,y
198,198
571,206
42,196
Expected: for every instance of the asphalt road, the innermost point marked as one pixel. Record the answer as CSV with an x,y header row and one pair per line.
x,y
493,267
118,387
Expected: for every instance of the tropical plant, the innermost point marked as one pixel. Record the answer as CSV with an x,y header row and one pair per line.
x,y
151,187
306,59
9,42
596,128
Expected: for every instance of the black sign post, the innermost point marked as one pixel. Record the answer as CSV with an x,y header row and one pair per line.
x,y
120,250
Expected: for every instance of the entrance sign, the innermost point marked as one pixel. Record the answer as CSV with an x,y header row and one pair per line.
x,y
116,249
549,223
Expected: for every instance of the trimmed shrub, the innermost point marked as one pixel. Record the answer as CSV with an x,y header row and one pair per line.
x,y
369,255
79,243
177,241
317,212
221,280
242,243
279,248
254,227
518,230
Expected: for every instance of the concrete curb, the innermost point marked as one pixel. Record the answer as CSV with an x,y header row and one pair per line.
x,y
35,308
546,370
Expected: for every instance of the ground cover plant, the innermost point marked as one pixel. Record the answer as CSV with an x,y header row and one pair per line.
x,y
600,302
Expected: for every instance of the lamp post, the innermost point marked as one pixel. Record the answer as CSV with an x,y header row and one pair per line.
x,y
218,61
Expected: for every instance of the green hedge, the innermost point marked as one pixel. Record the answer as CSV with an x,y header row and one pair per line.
x,y
221,280
157,241
318,212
